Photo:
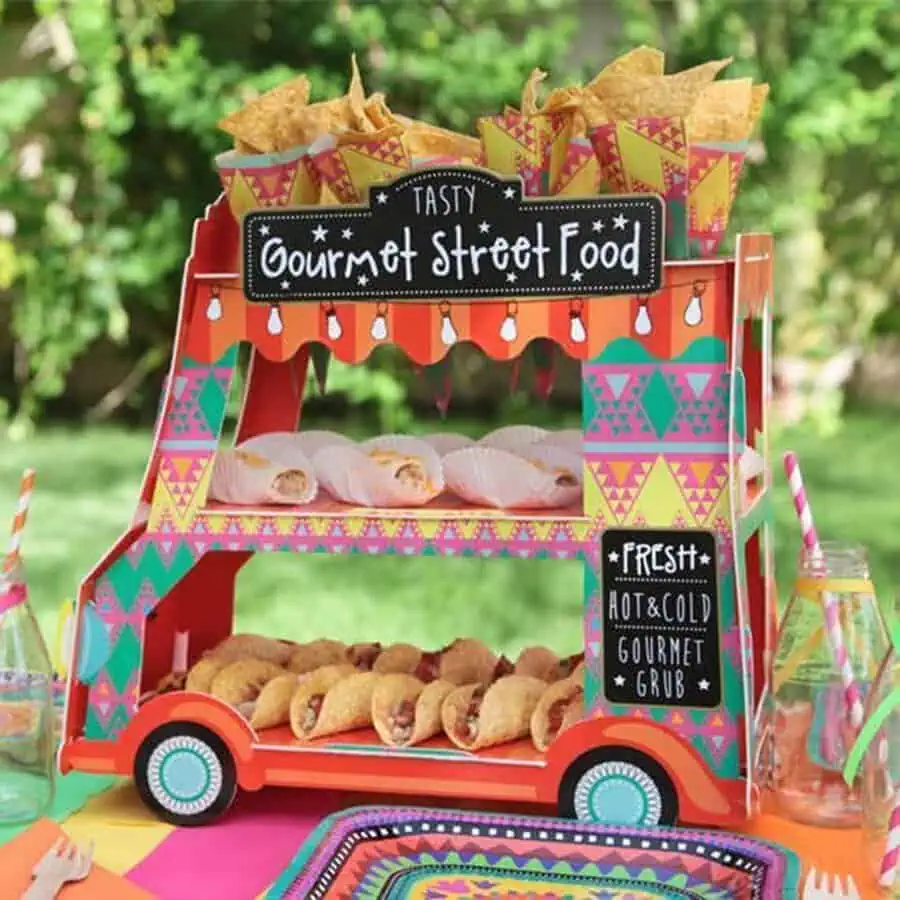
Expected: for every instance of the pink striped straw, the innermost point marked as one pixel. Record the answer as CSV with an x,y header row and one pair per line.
x,y
890,862
830,604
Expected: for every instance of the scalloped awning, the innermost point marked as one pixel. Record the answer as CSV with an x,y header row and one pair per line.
x,y
416,328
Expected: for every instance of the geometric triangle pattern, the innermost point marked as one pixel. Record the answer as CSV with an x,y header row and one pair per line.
x,y
618,480
704,483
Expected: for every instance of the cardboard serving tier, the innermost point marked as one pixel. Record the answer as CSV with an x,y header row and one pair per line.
x,y
675,389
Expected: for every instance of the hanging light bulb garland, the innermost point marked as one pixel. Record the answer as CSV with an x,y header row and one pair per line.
x,y
693,312
379,330
448,333
274,325
332,324
214,306
509,331
642,323
577,331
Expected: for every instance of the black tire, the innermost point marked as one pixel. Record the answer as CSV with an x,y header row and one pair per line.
x,y
211,759
661,800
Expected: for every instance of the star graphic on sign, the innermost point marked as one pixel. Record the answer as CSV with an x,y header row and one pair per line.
x,y
510,193
381,197
704,558
619,222
320,233
703,684
363,280
347,233
619,681
612,556
484,227
577,276
511,277
264,230
285,285
597,226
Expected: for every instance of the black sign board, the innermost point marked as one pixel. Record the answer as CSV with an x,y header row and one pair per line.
x,y
661,618
454,232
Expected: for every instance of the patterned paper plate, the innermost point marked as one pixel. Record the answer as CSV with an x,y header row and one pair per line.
x,y
381,852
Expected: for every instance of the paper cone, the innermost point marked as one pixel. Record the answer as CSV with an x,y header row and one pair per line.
x,y
713,175
349,169
534,147
648,156
580,175
260,181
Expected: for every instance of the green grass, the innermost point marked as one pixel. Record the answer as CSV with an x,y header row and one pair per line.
x,y
88,482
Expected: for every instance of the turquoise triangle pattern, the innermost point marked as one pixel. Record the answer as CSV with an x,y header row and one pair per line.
x,y
698,382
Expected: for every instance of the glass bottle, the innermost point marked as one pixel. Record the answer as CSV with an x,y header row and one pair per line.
x,y
881,775
27,740
811,729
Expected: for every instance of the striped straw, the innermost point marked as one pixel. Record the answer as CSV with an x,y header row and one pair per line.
x,y
19,519
890,862
830,604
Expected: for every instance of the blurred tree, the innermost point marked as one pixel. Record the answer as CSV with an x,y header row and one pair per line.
x,y
107,139
826,177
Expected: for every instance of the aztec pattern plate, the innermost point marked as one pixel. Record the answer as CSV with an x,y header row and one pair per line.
x,y
369,853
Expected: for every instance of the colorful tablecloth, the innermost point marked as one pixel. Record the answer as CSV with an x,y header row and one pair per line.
x,y
242,856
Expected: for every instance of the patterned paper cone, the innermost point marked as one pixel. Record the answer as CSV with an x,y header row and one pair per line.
x,y
648,156
580,175
260,181
349,169
534,147
713,175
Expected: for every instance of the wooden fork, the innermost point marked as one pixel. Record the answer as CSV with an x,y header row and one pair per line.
x,y
62,864
819,886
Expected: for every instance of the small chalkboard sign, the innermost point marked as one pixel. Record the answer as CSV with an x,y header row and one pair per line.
x,y
454,232
661,618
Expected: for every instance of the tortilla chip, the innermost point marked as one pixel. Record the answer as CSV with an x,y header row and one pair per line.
x,y
429,140
758,97
639,61
256,125
721,113
654,96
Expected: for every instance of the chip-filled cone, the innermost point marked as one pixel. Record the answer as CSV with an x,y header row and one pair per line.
x,y
315,654
389,471
559,707
446,442
262,181
474,717
273,705
332,700
406,711
513,437
485,476
246,478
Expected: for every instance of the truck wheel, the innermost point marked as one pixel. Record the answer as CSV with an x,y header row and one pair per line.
x,y
618,786
185,774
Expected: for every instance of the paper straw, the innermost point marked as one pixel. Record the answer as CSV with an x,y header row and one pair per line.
x,y
890,862
830,604
19,519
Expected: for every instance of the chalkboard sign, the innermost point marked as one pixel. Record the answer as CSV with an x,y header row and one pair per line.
x,y
454,232
661,618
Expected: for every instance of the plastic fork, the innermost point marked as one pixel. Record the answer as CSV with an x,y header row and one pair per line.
x,y
825,887
62,864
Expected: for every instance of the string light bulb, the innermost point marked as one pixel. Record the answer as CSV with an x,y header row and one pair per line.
x,y
693,312
642,323
274,325
214,307
577,331
379,330
509,331
448,332
332,324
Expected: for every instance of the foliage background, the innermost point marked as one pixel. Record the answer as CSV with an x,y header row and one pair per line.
x,y
108,113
